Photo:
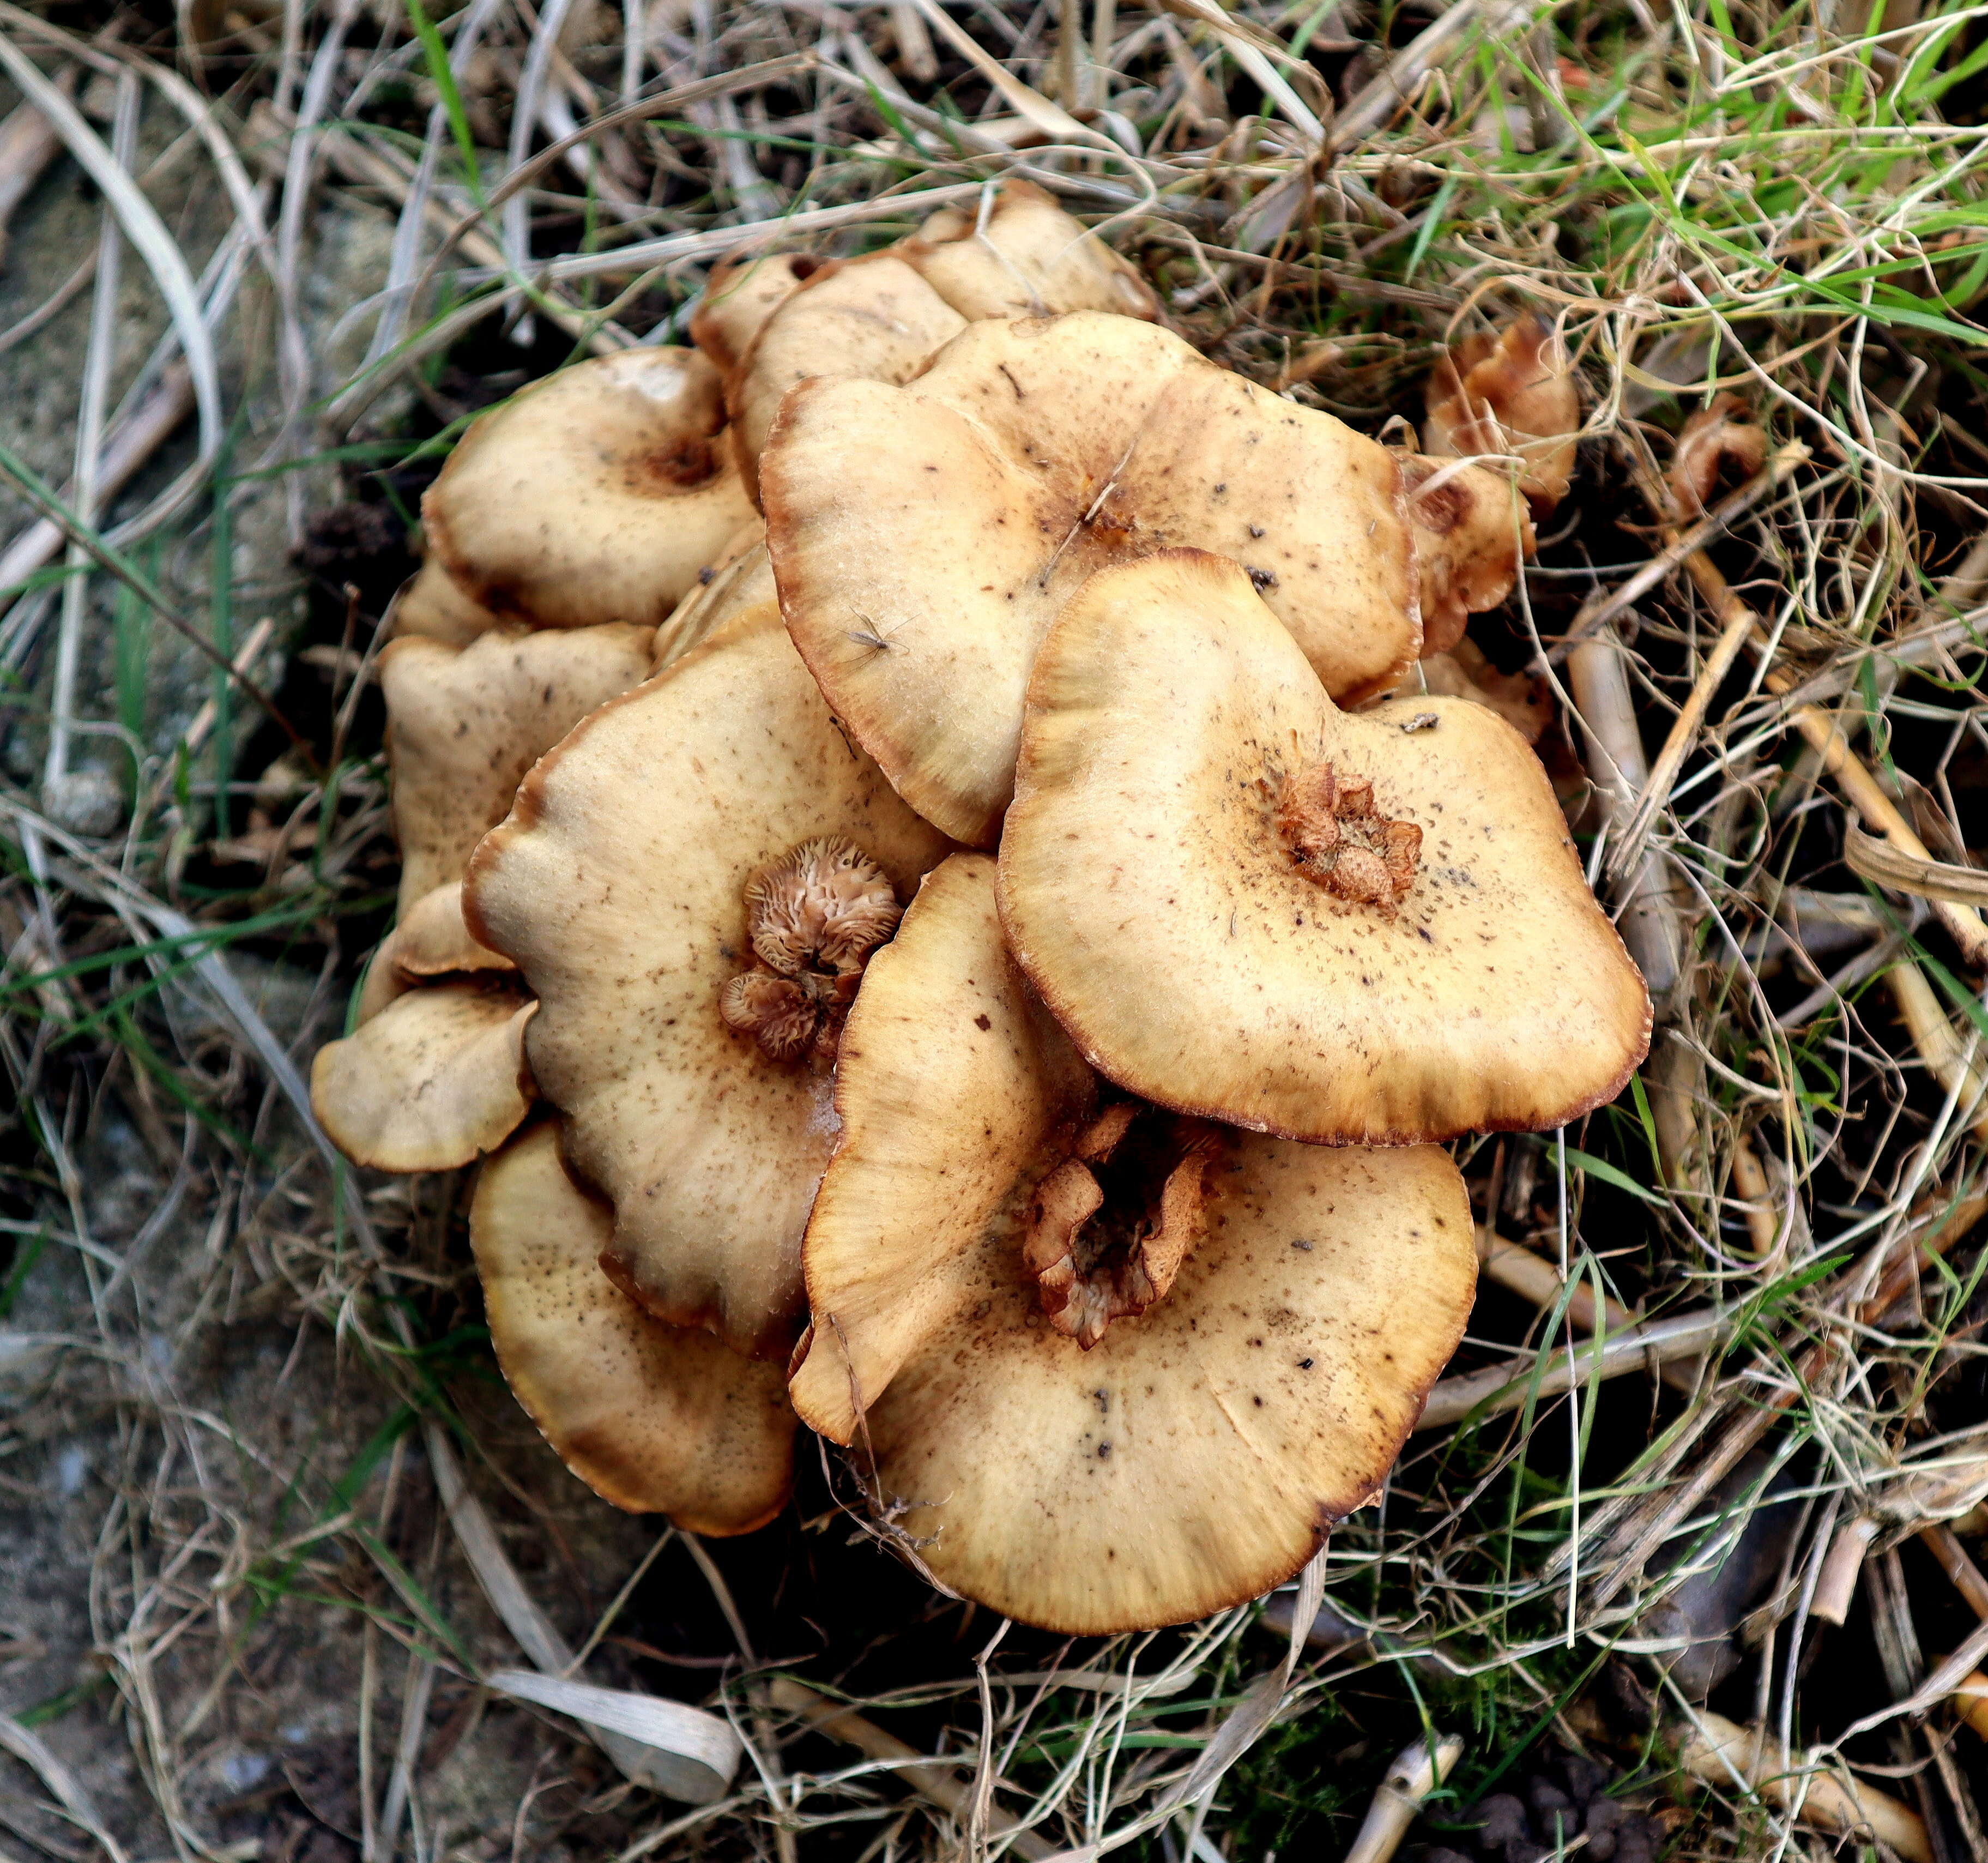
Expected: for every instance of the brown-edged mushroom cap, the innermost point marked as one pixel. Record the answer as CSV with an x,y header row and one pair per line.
x,y
739,295
1470,533
464,725
1718,437
430,605
713,826
594,495
655,1418
433,1081
874,318
924,538
1019,255
430,940
742,578
1244,903
1513,393
1195,1454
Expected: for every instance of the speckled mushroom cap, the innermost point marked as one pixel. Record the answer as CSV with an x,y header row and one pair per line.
x,y
742,578
464,725
430,604
1244,903
619,887
430,940
1513,393
739,295
924,538
433,1081
873,317
1017,254
654,1418
594,495
1196,1455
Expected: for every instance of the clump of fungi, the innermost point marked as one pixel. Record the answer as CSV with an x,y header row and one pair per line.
x,y
975,955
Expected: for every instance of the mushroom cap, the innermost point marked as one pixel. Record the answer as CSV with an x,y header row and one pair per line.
x,y
594,495
1521,699
739,295
430,604
1470,533
948,1041
432,1082
742,579
1197,1454
654,1418
1147,892
1512,393
874,317
430,940
954,518
1030,259
464,725
617,887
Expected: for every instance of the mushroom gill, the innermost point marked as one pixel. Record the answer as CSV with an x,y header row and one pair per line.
x,y
814,916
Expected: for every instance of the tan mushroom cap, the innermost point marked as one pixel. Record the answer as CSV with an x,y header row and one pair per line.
x,y
434,1080
653,1419
594,495
947,1043
1196,1456
430,940
430,604
463,726
618,886
952,519
1448,970
739,295
1471,535
1512,393
874,318
1522,700
1026,258
742,578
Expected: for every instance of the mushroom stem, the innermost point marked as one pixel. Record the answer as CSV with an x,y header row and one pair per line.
x,y
1108,1250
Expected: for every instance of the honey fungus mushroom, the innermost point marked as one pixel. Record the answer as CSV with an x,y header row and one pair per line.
x,y
882,317
464,725
923,538
654,1418
594,495
1165,1460
713,825
434,1081
1513,393
1247,904
435,1076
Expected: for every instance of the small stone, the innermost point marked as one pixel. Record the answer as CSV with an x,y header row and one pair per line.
x,y
86,803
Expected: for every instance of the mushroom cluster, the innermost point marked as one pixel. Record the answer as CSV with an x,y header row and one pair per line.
x,y
974,959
